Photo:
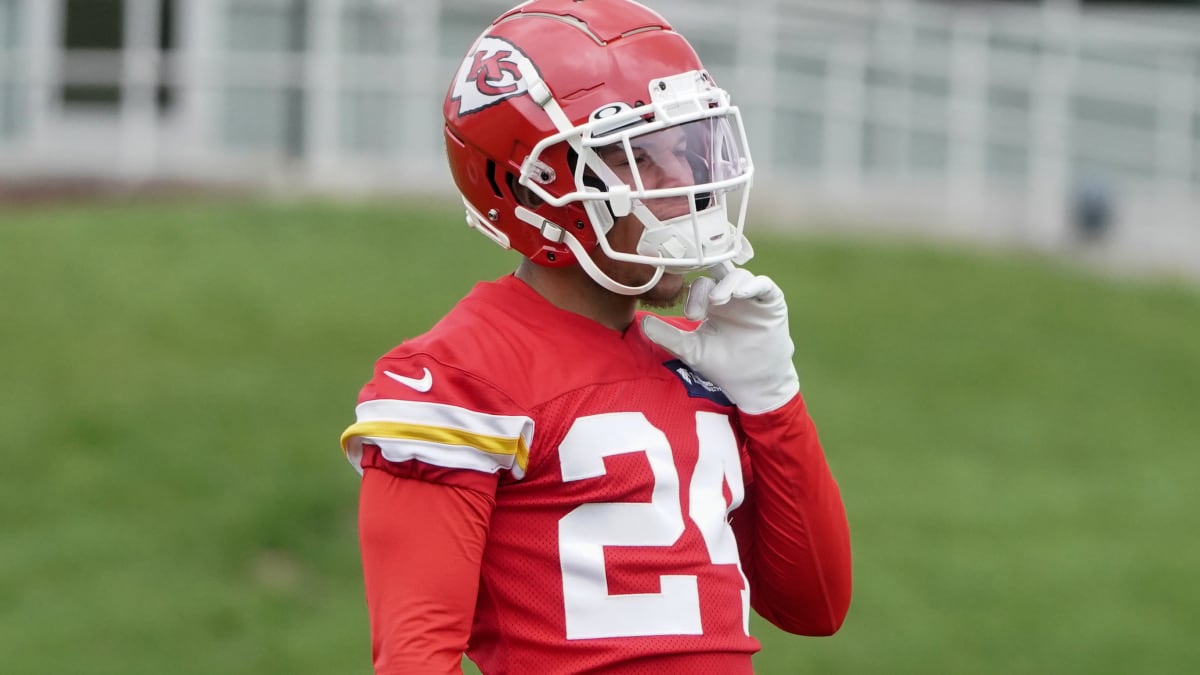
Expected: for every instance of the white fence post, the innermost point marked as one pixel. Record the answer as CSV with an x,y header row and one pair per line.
x,y
1176,106
894,50
197,26
321,93
756,47
139,88
43,37
968,138
1049,146
844,107
418,95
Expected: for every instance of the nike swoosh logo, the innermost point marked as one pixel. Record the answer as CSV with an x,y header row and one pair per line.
x,y
422,385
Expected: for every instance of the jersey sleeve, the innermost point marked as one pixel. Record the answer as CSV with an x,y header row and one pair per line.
x,y
422,544
439,423
792,528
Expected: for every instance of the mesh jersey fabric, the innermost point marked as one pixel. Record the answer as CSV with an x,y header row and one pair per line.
x,y
611,469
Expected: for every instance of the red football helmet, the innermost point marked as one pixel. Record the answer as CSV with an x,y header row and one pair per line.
x,y
568,114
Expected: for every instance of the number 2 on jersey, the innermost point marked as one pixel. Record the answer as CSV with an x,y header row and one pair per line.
x,y
591,612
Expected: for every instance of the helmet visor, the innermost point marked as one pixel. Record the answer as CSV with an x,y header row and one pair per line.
x,y
674,170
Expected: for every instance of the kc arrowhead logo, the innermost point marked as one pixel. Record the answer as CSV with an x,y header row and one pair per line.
x,y
491,73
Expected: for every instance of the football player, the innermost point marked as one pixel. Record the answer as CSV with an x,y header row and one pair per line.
x,y
554,480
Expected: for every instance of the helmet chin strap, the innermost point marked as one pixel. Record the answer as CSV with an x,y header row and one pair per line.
x,y
598,275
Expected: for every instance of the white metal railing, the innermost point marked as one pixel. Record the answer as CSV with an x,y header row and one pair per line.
x,y
960,111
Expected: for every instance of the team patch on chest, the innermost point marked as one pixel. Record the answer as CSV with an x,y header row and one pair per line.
x,y
696,384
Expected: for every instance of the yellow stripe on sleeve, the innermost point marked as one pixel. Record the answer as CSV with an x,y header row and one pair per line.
x,y
495,445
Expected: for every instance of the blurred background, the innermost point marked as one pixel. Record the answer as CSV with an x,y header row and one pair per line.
x,y
215,214
1016,122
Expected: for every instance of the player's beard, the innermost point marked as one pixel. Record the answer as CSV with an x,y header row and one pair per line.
x,y
669,292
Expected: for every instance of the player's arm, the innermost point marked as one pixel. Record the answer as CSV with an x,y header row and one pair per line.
x,y
422,544
791,529
799,562
432,443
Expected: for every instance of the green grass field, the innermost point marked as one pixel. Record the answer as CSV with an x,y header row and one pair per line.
x,y
1016,442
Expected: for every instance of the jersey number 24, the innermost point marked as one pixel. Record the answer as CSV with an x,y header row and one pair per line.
x,y
591,612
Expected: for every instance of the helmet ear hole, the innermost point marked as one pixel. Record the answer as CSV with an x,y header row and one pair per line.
x,y
524,196
491,176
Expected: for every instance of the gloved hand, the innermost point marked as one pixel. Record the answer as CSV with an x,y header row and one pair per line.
x,y
742,345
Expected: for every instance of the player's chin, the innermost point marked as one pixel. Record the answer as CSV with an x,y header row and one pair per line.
x,y
668,292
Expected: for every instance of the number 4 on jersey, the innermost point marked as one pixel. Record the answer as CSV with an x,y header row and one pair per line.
x,y
591,612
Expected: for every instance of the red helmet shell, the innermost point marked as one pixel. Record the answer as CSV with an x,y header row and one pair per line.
x,y
590,54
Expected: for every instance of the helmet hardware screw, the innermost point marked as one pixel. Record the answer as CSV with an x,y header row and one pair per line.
x,y
550,256
579,224
662,86
493,215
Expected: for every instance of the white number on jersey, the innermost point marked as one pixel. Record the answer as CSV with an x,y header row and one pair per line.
x,y
591,612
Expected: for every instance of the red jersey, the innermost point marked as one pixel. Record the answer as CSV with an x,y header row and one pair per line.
x,y
606,472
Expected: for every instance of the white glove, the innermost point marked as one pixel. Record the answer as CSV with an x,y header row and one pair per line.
x,y
742,345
